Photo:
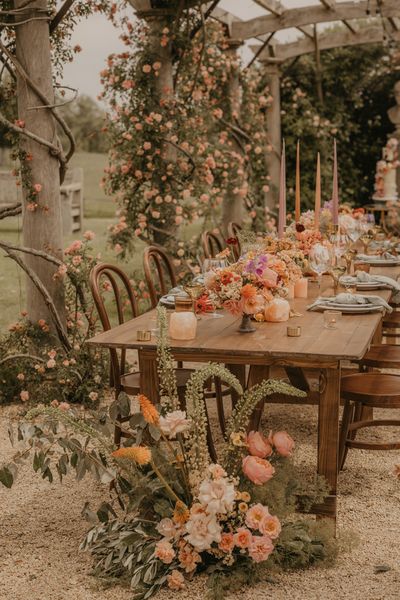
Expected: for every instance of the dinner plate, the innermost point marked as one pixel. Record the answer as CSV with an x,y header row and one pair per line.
x,y
381,262
372,286
168,301
350,309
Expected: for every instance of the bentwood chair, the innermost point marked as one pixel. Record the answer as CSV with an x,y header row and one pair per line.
x,y
234,230
365,391
159,273
211,243
104,277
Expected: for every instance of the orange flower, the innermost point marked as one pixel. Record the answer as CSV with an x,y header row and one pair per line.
x,y
248,291
149,411
138,454
181,513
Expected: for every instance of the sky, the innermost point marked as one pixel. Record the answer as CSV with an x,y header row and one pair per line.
x,y
98,38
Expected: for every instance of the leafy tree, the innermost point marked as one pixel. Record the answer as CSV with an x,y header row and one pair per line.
x,y
86,120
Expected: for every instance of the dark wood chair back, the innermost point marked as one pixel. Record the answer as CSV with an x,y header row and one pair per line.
x,y
100,275
234,230
158,269
211,243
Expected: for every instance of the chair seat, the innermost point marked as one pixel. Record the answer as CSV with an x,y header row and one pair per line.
x,y
131,381
383,356
392,321
372,389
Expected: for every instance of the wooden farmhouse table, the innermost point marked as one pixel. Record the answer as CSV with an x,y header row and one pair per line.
x,y
317,348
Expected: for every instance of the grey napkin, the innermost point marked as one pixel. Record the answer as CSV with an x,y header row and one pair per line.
x,y
351,299
383,256
363,277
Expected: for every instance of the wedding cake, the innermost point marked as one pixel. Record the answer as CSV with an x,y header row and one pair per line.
x,y
385,176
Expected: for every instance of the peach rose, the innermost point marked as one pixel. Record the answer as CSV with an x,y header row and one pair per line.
x,y
253,305
270,525
164,551
260,548
258,470
243,537
24,395
283,443
258,445
176,581
188,558
255,515
227,542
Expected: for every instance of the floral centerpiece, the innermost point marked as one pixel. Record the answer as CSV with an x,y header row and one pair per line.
x,y
248,286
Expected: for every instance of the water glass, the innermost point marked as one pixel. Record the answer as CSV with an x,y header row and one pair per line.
x,y
331,318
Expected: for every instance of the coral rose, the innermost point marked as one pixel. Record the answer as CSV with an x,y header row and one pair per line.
x,y
176,581
243,537
283,443
227,542
260,548
258,445
258,470
270,525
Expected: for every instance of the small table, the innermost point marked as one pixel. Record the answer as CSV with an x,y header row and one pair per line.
x,y
217,340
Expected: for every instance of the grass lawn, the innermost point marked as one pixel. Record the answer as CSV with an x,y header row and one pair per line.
x,y
96,203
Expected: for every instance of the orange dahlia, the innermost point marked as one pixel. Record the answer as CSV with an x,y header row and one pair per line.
x,y
248,291
138,454
149,411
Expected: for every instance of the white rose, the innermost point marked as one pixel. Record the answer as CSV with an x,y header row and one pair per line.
x,y
166,528
203,530
174,422
217,496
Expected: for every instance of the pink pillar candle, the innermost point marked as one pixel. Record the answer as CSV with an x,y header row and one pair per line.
x,y
301,288
182,326
335,188
282,195
290,291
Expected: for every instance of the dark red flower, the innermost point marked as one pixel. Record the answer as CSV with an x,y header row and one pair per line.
x,y
232,241
299,227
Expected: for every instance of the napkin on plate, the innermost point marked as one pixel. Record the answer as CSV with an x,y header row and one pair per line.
x,y
351,299
363,277
383,256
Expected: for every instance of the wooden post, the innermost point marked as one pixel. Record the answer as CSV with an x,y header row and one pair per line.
x,y
273,158
232,206
42,228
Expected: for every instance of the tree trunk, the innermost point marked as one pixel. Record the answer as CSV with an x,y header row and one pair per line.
x,y
42,228
232,205
273,158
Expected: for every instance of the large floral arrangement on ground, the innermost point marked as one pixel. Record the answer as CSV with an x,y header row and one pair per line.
x,y
173,510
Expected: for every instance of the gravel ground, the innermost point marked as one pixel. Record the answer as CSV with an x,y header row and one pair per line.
x,y
41,527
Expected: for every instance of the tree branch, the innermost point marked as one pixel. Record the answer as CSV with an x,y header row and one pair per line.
x,y
46,297
14,356
60,15
52,259
11,211
21,131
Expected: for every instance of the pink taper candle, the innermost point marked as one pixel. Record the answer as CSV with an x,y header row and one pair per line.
x,y
297,200
335,187
282,194
317,193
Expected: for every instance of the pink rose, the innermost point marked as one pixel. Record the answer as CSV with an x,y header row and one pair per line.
x,y
24,395
227,542
64,406
260,548
283,443
255,515
258,445
270,525
258,470
89,235
243,537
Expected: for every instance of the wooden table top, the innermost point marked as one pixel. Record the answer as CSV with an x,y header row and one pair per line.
x,y
219,337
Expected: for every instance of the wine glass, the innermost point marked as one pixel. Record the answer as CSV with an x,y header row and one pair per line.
x,y
209,265
194,290
337,271
320,260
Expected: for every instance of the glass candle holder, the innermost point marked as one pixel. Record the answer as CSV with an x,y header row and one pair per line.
x,y
183,325
331,318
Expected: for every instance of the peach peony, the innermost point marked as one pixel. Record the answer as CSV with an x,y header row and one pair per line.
x,y
258,470
258,445
283,443
164,551
176,580
255,515
243,537
270,525
227,542
260,548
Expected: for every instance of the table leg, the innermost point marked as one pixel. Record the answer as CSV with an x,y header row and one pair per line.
x,y
257,374
328,435
148,375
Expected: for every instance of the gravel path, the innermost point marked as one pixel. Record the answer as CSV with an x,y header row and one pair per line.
x,y
41,527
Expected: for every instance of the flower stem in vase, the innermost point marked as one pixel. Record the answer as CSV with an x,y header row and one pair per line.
x,y
246,325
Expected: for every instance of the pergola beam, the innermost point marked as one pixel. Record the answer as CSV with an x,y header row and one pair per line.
x,y
299,17
336,39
